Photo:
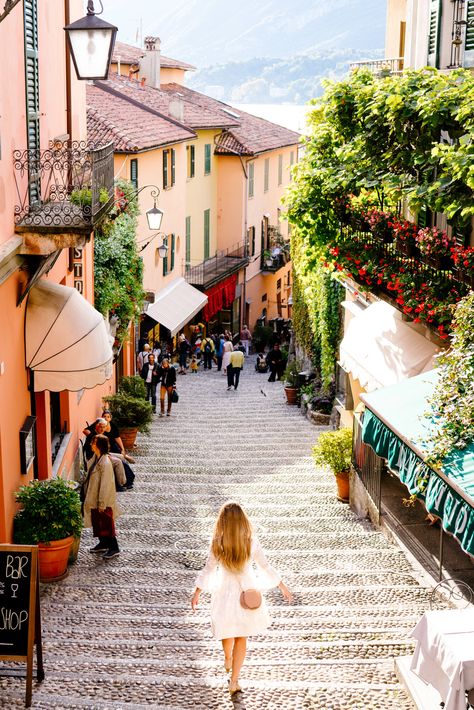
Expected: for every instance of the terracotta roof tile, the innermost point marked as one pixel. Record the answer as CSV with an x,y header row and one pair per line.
x,y
128,54
249,136
131,127
174,101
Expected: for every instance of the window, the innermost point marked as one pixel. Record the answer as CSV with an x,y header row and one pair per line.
x,y
279,285
134,172
207,225
188,240
172,251
280,169
207,159
292,160
32,94
251,178
190,155
266,176
264,298
251,240
169,167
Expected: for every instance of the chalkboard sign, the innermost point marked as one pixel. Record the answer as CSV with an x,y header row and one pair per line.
x,y
20,626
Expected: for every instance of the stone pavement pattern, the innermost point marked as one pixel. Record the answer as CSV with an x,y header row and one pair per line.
x,y
121,633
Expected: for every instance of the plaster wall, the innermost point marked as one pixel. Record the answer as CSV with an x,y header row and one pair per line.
x,y
168,75
416,46
396,14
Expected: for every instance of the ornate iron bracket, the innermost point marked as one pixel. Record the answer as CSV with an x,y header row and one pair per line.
x,y
7,8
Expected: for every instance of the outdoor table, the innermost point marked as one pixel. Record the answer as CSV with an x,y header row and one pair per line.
x,y
444,654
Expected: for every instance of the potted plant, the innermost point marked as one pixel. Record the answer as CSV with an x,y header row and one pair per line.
x,y
436,246
291,381
267,257
134,386
463,258
334,449
50,517
405,237
379,225
130,414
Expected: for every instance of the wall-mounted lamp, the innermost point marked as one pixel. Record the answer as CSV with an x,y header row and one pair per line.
x,y
91,41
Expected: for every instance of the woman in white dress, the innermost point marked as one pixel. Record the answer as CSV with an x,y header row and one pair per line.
x,y
228,572
227,349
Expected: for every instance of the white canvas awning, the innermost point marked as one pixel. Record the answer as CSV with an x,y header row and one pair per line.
x,y
67,343
379,349
176,304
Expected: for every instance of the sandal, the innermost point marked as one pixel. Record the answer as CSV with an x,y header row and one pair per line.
x,y
227,668
234,687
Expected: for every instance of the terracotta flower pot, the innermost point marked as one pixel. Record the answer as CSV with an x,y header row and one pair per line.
x,y
53,557
128,436
342,482
291,395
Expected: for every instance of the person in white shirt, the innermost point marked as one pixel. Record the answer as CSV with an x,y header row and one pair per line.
x,y
143,358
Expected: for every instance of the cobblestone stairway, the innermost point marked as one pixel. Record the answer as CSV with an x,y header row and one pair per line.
x,y
121,633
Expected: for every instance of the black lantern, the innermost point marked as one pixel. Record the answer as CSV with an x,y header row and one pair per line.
x,y
163,249
91,41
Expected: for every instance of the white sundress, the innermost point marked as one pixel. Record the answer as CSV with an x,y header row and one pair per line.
x,y
228,618
228,349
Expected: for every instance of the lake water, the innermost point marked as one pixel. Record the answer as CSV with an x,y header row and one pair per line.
x,y
291,116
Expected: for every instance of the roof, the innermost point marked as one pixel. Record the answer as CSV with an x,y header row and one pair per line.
x,y
129,54
249,134
171,100
131,127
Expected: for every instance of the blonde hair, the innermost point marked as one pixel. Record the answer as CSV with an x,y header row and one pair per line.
x,y
232,537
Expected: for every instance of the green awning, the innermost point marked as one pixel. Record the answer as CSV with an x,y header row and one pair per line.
x,y
396,427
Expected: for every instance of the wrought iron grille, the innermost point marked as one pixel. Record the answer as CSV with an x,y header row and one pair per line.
x,y
222,264
368,465
75,184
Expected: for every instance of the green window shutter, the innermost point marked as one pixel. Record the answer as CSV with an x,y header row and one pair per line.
x,y
173,166
134,172
253,241
469,46
434,33
266,175
207,159
165,168
207,225
30,21
173,240
165,263
280,169
251,179
192,165
188,240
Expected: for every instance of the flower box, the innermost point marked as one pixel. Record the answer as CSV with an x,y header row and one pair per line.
x,y
407,247
440,262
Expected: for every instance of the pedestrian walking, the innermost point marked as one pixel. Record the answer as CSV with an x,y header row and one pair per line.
x,y
150,376
234,368
207,349
246,338
227,349
228,573
100,502
183,349
276,363
167,378
157,350
218,350
142,357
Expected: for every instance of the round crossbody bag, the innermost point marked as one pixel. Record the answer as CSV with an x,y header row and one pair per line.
x,y
250,599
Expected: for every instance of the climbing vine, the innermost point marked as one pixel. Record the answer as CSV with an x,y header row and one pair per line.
x,y
118,268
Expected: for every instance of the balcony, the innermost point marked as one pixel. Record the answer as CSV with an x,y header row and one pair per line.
x,y
381,67
272,261
63,193
224,263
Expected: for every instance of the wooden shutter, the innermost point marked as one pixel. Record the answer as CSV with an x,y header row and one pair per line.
x,y
165,263
172,252
134,172
207,159
173,166
192,161
469,46
30,16
207,224
266,175
165,168
188,240
434,33
280,169
251,179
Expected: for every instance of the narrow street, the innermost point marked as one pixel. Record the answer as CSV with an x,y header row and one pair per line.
x,y
121,633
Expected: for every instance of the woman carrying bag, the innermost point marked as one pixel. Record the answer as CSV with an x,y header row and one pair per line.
x,y
100,506
238,609
167,377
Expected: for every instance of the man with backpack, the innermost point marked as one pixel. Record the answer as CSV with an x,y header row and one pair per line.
x,y
207,349
218,349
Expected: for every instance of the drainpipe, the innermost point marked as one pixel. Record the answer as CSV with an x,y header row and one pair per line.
x,y
67,20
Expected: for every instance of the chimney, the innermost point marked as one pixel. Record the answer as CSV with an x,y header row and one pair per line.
x,y
176,109
150,62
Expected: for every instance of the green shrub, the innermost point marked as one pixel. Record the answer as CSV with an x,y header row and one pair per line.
x,y
51,510
130,411
334,449
261,337
133,386
291,373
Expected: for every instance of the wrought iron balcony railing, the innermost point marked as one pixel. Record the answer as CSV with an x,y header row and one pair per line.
x,y
66,188
381,67
224,263
272,261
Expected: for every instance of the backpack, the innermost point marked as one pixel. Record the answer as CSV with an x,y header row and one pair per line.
x,y
207,347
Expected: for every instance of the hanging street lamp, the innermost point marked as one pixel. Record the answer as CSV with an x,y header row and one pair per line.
x,y
155,215
163,249
91,42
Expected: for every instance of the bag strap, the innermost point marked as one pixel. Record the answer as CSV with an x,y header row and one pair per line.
x,y
89,473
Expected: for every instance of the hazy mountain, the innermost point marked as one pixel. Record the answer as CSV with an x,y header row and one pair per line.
x,y
263,51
